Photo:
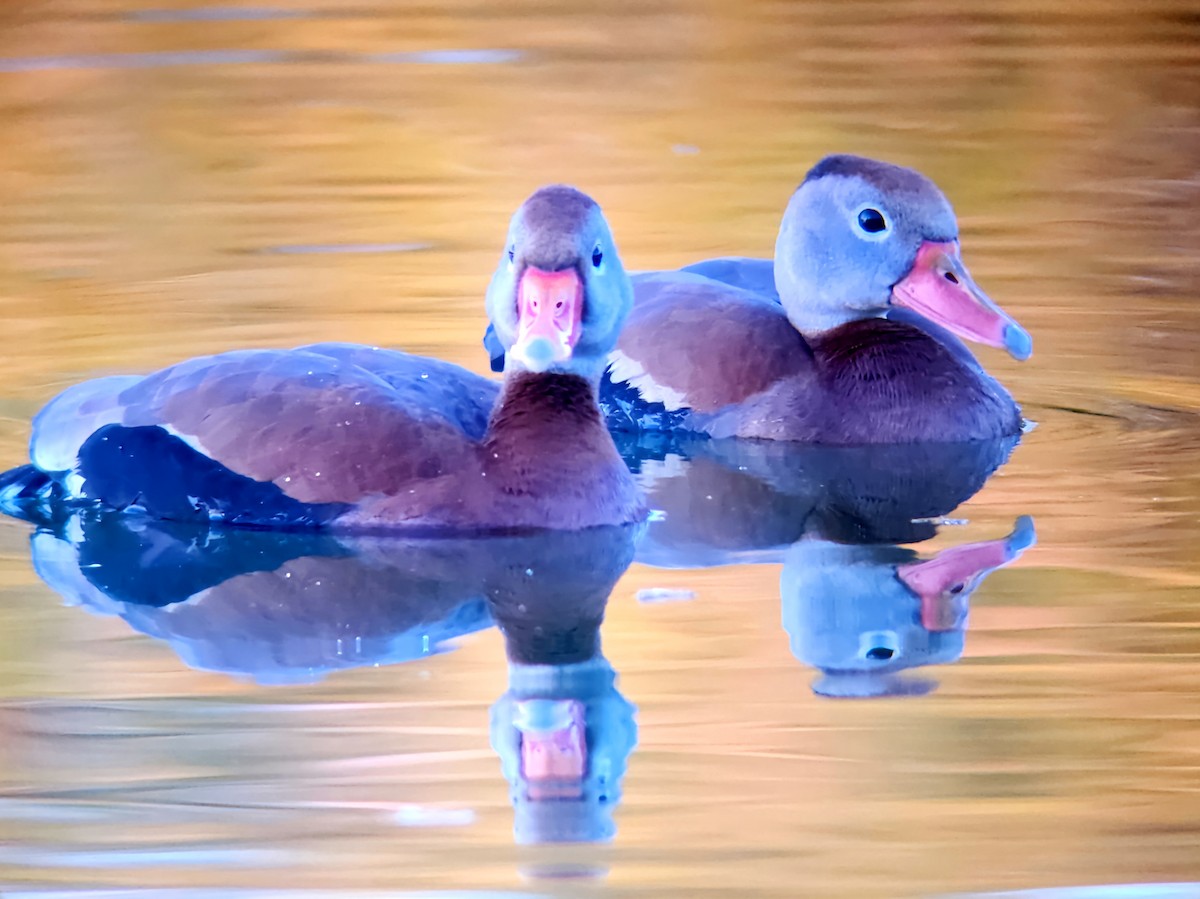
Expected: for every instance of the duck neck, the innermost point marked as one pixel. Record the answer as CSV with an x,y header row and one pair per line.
x,y
813,307
815,322
551,416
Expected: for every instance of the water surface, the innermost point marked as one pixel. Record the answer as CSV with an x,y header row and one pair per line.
x,y
186,178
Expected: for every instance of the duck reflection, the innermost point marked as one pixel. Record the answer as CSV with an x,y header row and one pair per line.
x,y
285,607
276,607
562,730
862,614
856,604
564,735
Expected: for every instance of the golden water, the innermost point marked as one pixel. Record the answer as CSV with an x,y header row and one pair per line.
x,y
182,180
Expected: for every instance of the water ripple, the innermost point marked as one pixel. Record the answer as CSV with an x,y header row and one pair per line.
x,y
205,893
148,858
305,249
1105,891
175,58
217,14
449,57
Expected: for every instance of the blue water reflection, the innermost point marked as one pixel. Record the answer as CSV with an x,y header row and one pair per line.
x,y
862,614
856,604
292,607
159,59
564,735
288,607
278,607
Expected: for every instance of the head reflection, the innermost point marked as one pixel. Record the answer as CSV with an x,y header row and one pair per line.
x,y
291,607
863,614
564,735
857,604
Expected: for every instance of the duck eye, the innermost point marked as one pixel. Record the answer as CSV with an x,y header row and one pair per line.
x,y
597,256
872,221
512,252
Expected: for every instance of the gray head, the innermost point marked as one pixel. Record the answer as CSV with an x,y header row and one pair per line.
x,y
560,295
860,237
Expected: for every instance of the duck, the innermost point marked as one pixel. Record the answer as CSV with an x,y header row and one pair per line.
x,y
355,438
851,335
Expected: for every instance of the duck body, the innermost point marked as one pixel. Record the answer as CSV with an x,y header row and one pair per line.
x,y
356,438
263,438
745,371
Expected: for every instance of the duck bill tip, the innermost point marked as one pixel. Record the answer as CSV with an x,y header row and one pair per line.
x,y
1018,342
939,287
1023,536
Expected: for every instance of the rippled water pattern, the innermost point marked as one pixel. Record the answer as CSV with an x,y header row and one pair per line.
x,y
186,178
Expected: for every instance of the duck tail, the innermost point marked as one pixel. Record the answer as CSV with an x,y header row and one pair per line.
x,y
28,493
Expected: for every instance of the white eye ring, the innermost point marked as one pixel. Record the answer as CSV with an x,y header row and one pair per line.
x,y
866,222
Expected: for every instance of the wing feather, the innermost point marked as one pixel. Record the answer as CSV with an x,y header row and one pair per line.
x,y
695,343
329,423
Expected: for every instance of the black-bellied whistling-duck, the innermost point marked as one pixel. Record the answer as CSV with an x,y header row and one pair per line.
x,y
356,438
